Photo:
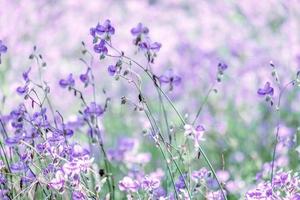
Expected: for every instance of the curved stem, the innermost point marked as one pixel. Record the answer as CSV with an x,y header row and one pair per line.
x,y
292,82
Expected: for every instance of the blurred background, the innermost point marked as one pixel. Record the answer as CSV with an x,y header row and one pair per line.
x,y
195,35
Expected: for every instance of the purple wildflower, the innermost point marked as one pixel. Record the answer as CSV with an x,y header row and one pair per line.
x,y
222,67
101,48
266,90
179,184
68,82
25,75
139,30
18,167
147,45
78,195
3,49
93,110
128,184
170,78
105,28
150,183
58,181
84,78
22,89
112,69
200,175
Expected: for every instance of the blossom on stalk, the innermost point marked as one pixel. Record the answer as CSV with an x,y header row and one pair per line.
x,y
195,133
68,82
3,49
266,90
128,184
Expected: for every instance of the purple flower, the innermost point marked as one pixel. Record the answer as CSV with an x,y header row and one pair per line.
x,y
68,82
22,89
29,178
84,78
128,185
18,167
3,194
58,181
148,45
2,179
266,90
179,184
77,195
296,197
139,29
93,110
105,28
25,74
200,175
170,78
150,183
159,192
101,29
101,48
197,133
77,151
112,69
12,141
3,49
280,179
222,67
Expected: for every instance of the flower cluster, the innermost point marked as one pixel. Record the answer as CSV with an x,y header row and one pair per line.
x,y
102,35
144,42
285,185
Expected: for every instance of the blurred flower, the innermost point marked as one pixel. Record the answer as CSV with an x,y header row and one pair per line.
x,y
112,69
101,48
196,133
93,110
25,75
68,82
139,29
84,78
78,195
22,89
128,184
266,90
200,175
222,67
147,45
179,184
170,78
101,29
150,183
18,167
58,181
3,49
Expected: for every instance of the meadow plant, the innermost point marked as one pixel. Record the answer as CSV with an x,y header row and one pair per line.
x,y
45,156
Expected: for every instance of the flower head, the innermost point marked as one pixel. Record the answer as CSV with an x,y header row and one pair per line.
x,y
170,78
128,184
101,48
99,30
84,78
93,110
3,49
139,30
68,82
112,69
196,133
266,90
222,67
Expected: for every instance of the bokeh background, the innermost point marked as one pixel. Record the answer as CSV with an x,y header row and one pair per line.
x,y
196,35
